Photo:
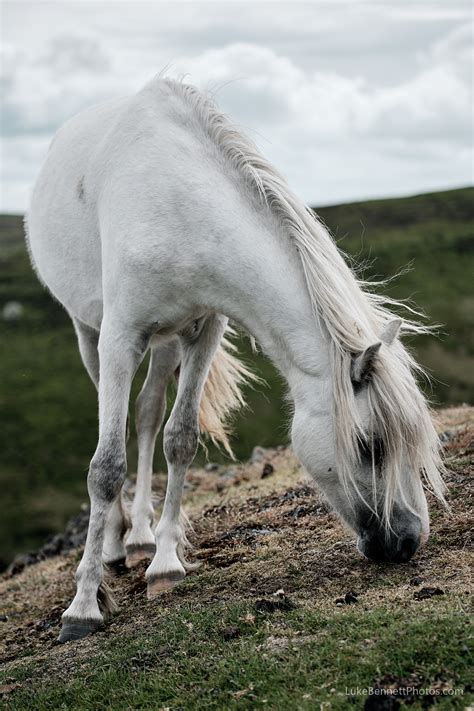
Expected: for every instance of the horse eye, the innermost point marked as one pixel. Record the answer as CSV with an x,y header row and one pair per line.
x,y
371,449
378,450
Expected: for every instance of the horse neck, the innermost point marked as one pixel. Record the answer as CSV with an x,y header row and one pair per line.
x,y
262,286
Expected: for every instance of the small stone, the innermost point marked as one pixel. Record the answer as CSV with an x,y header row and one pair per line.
x,y
53,545
299,511
267,470
20,562
211,467
426,593
12,311
230,632
350,598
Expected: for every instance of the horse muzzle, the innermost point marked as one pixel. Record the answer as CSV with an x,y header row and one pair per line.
x,y
393,546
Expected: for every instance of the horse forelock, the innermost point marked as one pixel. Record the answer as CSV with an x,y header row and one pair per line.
x,y
352,315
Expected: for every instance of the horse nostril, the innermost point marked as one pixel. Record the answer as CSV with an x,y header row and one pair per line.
x,y
379,551
373,549
408,548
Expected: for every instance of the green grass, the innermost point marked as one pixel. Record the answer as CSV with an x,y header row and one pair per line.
x,y
187,661
48,409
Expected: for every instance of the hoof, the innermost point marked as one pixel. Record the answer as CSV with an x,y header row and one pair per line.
x,y
162,582
138,552
116,567
75,628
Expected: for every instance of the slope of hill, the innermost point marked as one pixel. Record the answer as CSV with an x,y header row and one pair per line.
x,y
282,614
48,412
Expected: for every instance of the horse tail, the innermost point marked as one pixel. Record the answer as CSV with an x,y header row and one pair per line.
x,y
222,396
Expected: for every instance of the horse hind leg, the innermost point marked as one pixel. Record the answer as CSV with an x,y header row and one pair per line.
x,y
181,436
113,553
149,415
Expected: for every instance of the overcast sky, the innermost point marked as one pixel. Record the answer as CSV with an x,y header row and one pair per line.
x,y
350,99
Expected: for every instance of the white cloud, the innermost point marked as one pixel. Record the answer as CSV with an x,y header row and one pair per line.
x,y
266,87
349,99
337,137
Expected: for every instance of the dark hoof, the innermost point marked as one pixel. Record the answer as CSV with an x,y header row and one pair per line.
x,y
116,567
78,629
159,583
138,552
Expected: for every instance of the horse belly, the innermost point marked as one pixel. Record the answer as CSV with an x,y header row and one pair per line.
x,y
63,230
66,256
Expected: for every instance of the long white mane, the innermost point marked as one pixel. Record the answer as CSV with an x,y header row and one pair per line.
x,y
353,318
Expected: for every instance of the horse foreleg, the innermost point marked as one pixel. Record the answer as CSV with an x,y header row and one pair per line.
x,y
181,436
149,414
113,550
119,356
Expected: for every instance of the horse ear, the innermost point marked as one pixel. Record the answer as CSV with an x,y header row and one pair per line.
x,y
390,331
362,364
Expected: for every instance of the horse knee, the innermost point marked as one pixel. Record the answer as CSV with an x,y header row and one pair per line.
x,y
107,472
180,442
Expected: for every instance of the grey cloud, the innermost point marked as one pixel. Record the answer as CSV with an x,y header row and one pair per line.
x,y
69,54
40,90
338,94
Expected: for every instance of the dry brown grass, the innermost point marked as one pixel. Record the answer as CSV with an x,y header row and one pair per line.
x,y
254,533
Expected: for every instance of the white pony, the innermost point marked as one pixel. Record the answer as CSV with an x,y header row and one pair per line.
x,y
153,221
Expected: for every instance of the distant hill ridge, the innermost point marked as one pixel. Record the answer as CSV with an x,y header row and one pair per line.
x,y
456,204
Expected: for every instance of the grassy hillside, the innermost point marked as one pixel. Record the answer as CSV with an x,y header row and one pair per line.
x,y
48,411
282,614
